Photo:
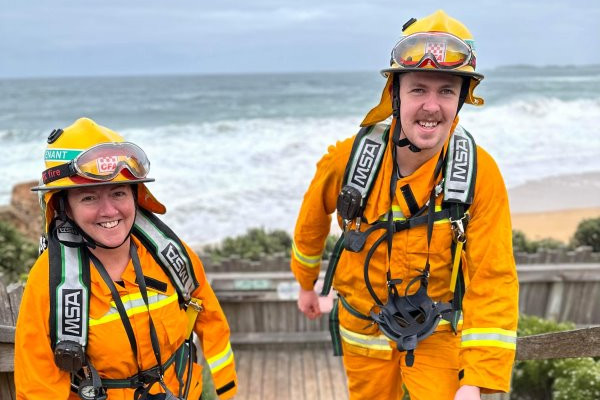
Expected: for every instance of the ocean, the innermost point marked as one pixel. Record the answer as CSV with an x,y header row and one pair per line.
x,y
232,152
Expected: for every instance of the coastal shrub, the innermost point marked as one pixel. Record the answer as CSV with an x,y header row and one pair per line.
x,y
522,243
588,234
553,379
251,245
17,254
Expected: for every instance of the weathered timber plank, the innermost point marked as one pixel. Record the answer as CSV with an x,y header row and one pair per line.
x,y
269,385
283,375
569,344
310,374
279,337
243,366
7,334
297,377
6,315
256,376
323,374
339,382
7,357
7,386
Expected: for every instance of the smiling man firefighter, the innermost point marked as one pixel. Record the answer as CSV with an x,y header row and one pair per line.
x,y
426,280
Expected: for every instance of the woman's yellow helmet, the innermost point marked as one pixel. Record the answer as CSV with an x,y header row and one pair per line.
x,y
87,154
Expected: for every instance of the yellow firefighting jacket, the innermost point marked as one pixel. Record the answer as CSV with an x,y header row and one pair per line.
x,y
108,350
490,304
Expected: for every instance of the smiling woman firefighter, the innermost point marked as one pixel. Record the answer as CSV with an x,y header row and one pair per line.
x,y
110,306
426,280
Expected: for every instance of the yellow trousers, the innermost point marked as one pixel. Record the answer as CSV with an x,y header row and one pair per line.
x,y
433,376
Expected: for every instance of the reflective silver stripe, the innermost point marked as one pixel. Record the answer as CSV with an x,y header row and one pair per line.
x,y
459,168
372,342
71,299
134,304
308,261
170,255
221,360
489,336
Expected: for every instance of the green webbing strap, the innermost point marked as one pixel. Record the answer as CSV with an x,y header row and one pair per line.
x,y
353,310
333,261
334,329
133,382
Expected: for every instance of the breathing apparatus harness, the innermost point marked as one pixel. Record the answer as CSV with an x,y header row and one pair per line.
x,y
405,319
70,257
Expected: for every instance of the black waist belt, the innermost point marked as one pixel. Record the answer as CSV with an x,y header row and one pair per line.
x,y
151,375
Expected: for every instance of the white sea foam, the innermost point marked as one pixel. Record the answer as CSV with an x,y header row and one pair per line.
x,y
220,178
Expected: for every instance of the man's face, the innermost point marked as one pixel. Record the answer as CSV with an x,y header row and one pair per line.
x,y
428,104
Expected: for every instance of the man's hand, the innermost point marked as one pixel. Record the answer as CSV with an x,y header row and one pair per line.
x,y
467,392
308,303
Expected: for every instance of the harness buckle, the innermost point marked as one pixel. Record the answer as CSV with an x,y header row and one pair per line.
x,y
194,304
439,188
150,376
458,228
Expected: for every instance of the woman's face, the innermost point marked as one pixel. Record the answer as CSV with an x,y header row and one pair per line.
x,y
105,213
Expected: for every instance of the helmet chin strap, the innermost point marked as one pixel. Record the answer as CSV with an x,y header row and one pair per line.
x,y
86,239
464,91
396,113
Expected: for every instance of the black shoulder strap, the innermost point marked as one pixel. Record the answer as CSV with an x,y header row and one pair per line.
x,y
69,282
168,251
365,159
461,168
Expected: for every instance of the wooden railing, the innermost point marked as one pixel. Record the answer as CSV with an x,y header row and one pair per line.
x,y
262,311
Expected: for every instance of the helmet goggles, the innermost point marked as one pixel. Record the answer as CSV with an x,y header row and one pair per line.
x,y
439,50
103,162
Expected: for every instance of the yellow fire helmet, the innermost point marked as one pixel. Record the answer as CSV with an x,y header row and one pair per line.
x,y
436,43
87,154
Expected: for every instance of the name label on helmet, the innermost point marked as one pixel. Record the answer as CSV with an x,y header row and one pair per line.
x,y
60,154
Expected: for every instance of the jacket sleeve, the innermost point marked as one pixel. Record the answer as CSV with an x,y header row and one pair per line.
x,y
213,332
314,219
490,304
36,375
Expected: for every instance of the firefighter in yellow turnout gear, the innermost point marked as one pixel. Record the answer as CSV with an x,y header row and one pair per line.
x,y
110,305
426,280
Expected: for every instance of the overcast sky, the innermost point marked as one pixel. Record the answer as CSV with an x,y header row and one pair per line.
x,y
110,37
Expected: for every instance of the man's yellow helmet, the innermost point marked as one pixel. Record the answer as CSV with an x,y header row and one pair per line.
x,y
436,43
87,154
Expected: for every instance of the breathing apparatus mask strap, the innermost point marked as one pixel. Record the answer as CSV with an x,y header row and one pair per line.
x,y
396,113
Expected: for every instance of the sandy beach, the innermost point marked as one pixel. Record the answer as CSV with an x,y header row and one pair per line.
x,y
552,207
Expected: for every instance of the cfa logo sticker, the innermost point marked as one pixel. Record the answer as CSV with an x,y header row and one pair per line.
x,y
107,164
365,163
72,323
176,261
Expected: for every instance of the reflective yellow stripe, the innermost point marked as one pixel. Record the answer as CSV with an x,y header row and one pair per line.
x,y
221,360
441,221
133,307
489,337
397,214
371,342
444,322
307,261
